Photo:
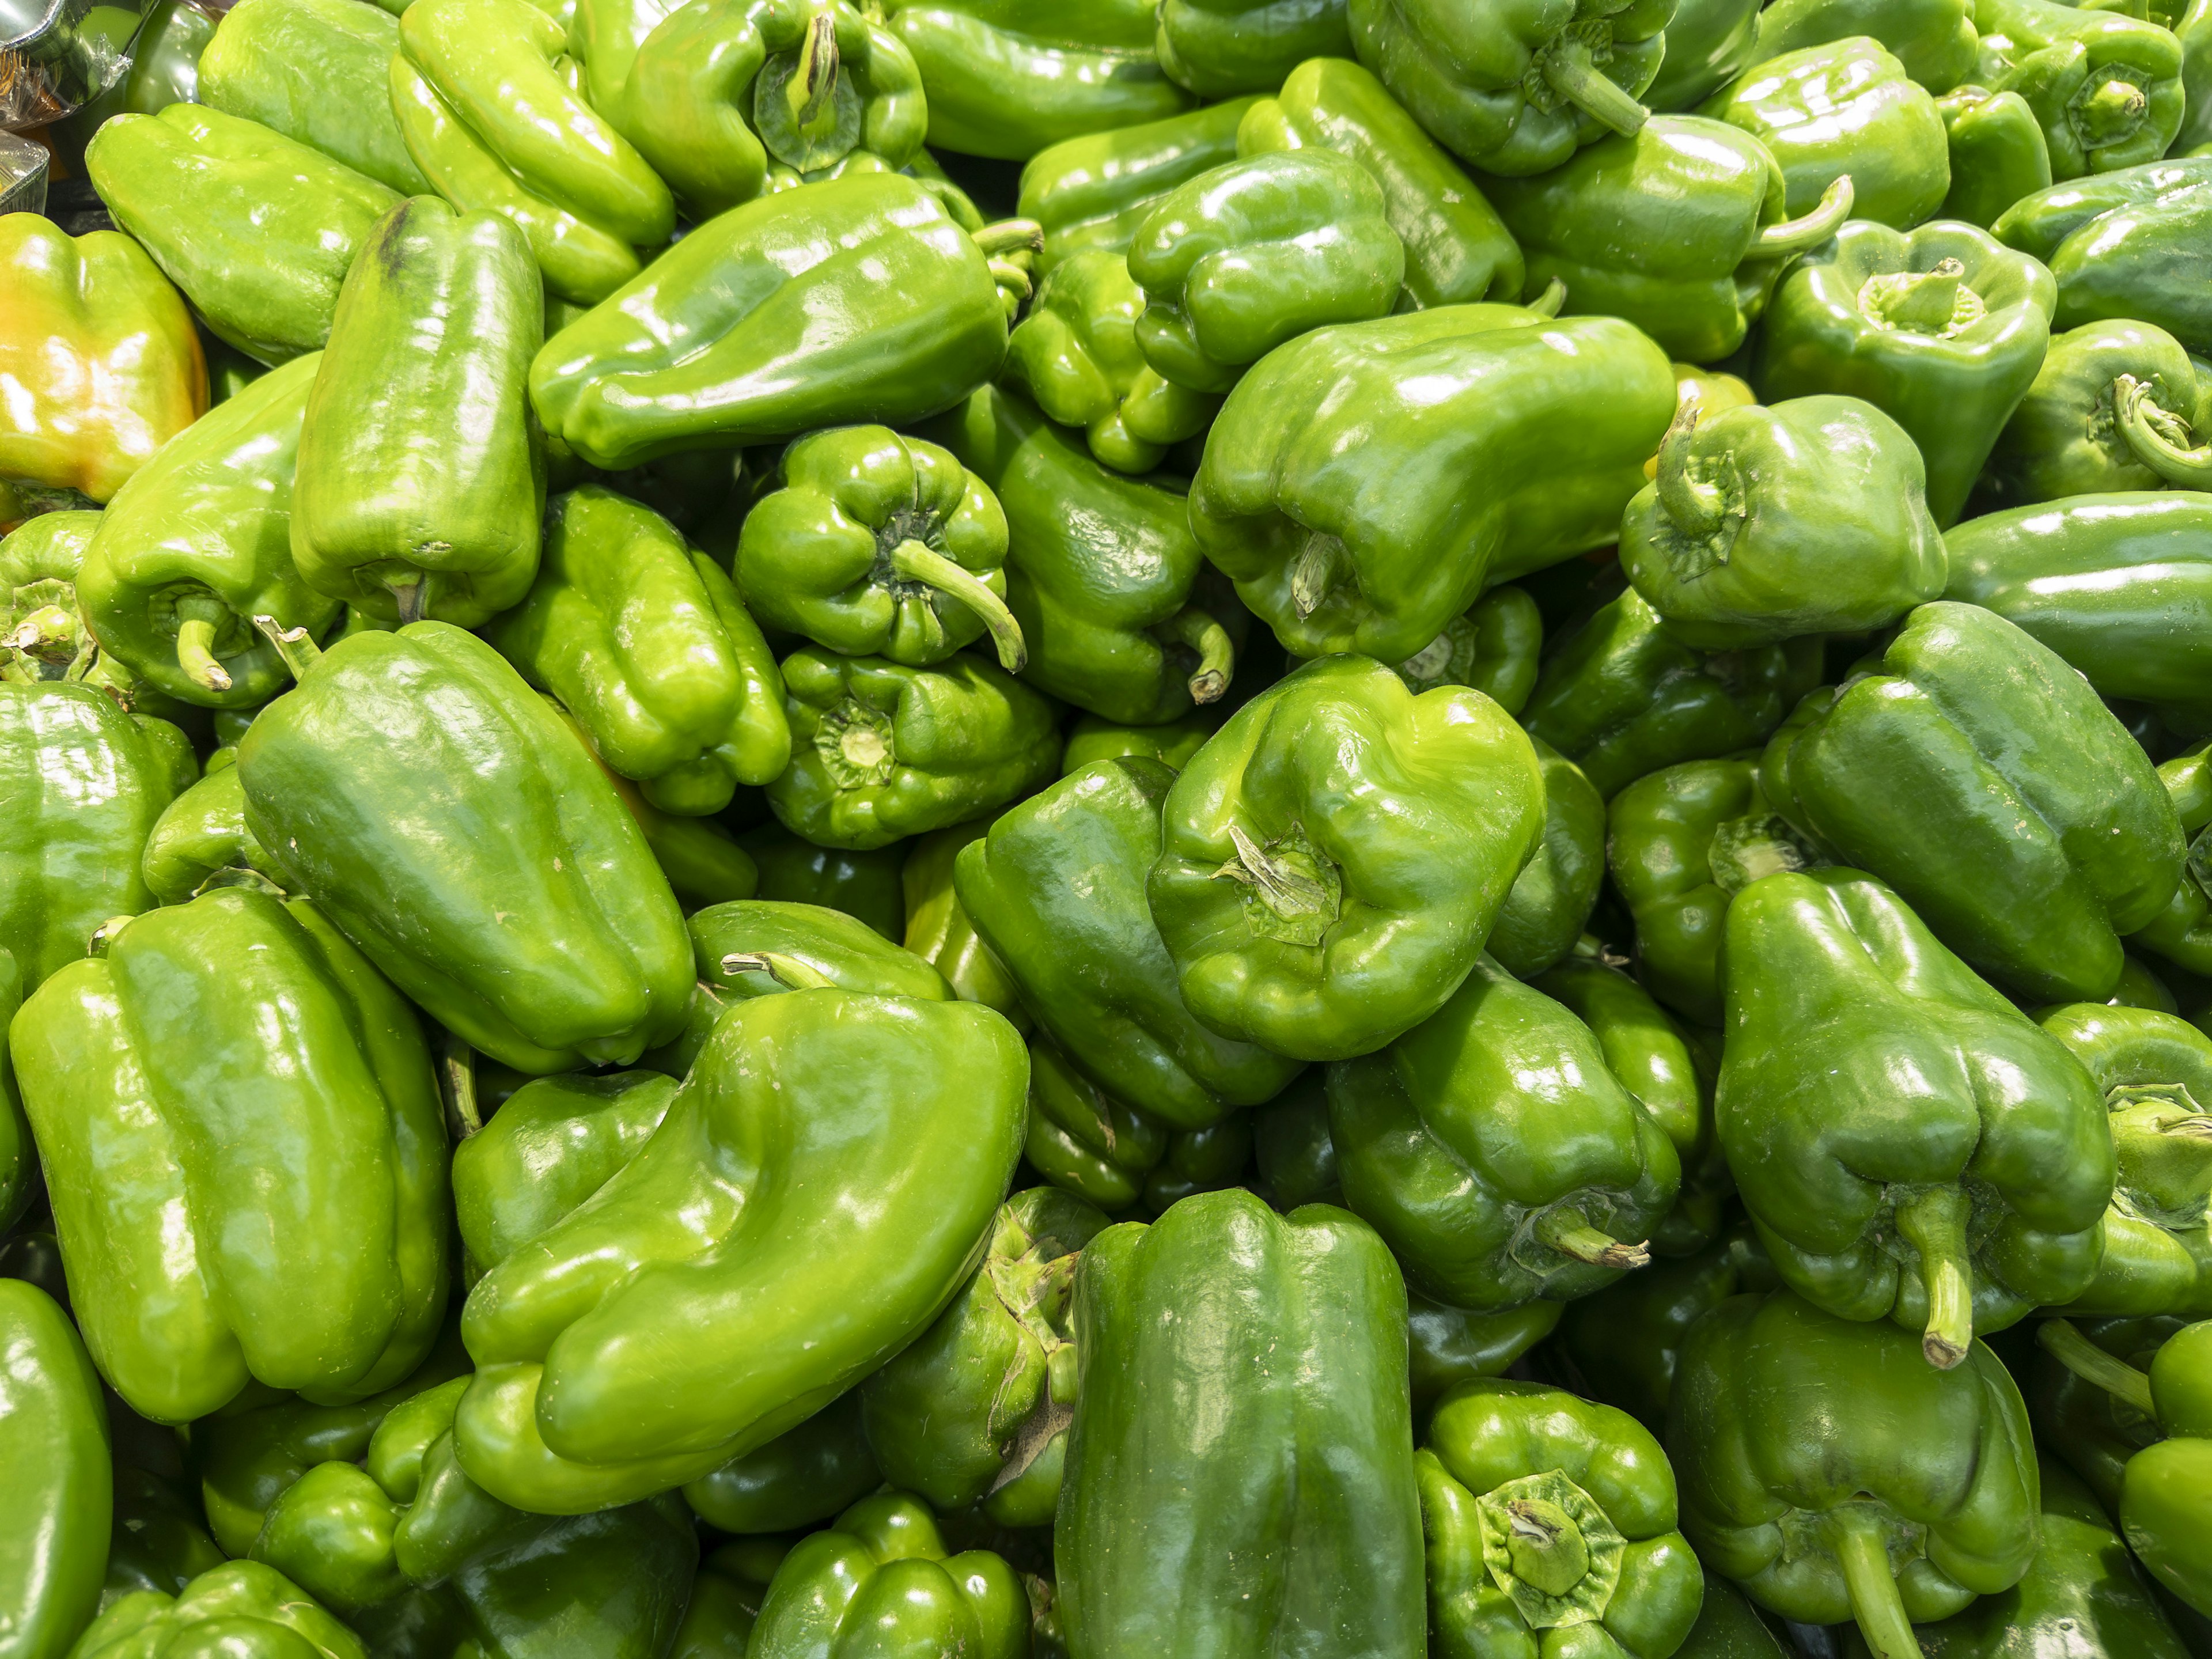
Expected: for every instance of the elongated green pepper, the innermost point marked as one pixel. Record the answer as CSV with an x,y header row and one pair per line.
x,y
1089,193
54,1463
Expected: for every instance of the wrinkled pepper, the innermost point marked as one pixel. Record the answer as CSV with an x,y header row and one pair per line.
x,y
242,1607
2105,87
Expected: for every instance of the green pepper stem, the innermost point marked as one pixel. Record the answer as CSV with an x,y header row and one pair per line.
x,y
199,616
815,77
1934,1224
1315,574
1875,1603
1796,235
1009,236
1016,280
1217,655
1567,1232
1547,303
786,971
1918,302
1696,508
2060,1339
2110,113
1575,76
2152,432
410,599
916,562
458,1075
295,645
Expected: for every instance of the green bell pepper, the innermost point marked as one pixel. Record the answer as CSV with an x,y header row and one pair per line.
x,y
198,544
725,1599
1218,48
1007,78
1661,832
1998,153
938,929
54,1461
1369,839
1450,1344
1091,193
200,834
426,505
1258,252
236,1060
257,229
976,1410
1119,613
1493,648
894,310
43,636
1085,1141
813,1247
645,642
1544,1512
1497,1154
1708,43
491,120
2106,88
1550,900
881,1577
1364,484
879,545
2182,933
2092,1428
795,1482
1867,1073
1621,697
2119,246
1090,738
1935,39
880,751
1514,90
160,1540
19,1165
1942,330
2042,223
319,72
863,885
452,826
1241,1470
1983,778
1834,1477
242,1610
1846,108
703,861
1681,228
2084,429
1768,522
1056,890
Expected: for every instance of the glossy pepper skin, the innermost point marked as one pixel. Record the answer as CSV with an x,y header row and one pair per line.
x,y
1845,108
2163,1495
2182,933
250,1610
1089,964
257,229
1514,90
1790,1424
1223,1348
645,642
101,354
1085,1141
1552,898
318,72
1681,228
938,928
859,299
1662,832
1545,1512
1458,250
1708,42
1091,193
2071,437
2119,246
1622,697
1493,648
426,505
410,785
1496,1153
1942,330
54,1459
1768,522
799,1180
200,832
18,1167
1338,493
970,1412
1935,39
865,885
1218,48
236,1056
1998,153
2013,812
1258,252
878,546
799,1479
880,751
2105,87
494,126
1867,1071
198,543
1321,929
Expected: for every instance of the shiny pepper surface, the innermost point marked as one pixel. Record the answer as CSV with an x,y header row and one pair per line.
x,y
1934,39
1662,834
250,1610
2082,430
2182,933
101,356
55,1465
248,1157
2105,85
1091,193
1218,48
1997,153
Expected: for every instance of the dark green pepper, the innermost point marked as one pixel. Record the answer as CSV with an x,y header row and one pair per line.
x,y
55,1464
1709,42
864,885
1552,898
1661,832
799,1480
1218,48
1493,648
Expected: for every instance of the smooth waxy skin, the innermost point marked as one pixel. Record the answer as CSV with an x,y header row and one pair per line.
x,y
18,1157
452,826
1553,897
1998,153
938,929
2105,87
2042,223
2014,814
1659,838
2065,437
257,229
200,832
1708,42
1493,649
857,299
1091,193
426,506
802,1477
1056,889
1374,837
1218,48
1240,1470
1337,491
244,1606
2164,1494
1874,1088
780,1213
101,354
1934,39
2182,933
200,540
249,1158
2134,262
54,1463
1480,1140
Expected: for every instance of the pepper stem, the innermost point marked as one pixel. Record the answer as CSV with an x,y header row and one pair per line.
x,y
2111,112
1796,235
457,1065
1567,1232
1935,1223
1547,303
815,77
1917,302
916,562
1009,236
1217,655
1575,76
1696,508
2062,1342
2157,437
409,598
1879,1610
295,645
199,616
788,971
1316,575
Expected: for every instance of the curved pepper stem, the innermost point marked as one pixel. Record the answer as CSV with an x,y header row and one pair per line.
x,y
1788,236
199,616
916,562
1319,568
1697,507
807,93
295,645
1574,74
1217,654
2159,437
412,599
1863,1555
789,972
1934,1224
2109,112
2062,1342
1917,302
1547,303
1567,1232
